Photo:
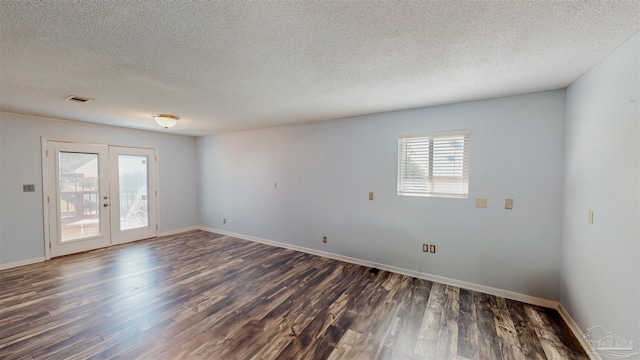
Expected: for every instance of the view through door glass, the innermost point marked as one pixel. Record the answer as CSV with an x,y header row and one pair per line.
x,y
134,196
79,191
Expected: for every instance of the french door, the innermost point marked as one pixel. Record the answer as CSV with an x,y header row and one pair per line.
x,y
98,195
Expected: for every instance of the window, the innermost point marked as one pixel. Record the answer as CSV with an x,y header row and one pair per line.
x,y
434,164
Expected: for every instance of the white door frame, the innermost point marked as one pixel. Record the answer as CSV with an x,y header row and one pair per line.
x,y
46,188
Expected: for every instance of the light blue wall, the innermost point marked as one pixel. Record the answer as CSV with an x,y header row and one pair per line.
x,y
325,170
21,214
600,271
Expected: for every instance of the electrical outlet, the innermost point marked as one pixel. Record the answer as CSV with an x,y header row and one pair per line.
x,y
28,188
370,196
432,249
224,221
425,248
324,239
508,204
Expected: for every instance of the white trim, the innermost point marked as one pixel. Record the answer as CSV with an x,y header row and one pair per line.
x,y
45,194
157,194
21,263
84,142
444,134
178,231
417,274
577,332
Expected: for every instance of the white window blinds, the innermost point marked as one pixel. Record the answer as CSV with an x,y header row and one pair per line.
x,y
434,165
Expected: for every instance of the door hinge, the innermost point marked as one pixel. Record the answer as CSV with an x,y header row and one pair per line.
x,y
47,199
47,153
156,226
49,244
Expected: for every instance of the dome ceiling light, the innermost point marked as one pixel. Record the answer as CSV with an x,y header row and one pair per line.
x,y
166,120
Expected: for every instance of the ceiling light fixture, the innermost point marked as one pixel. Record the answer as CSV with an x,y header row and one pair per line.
x,y
166,120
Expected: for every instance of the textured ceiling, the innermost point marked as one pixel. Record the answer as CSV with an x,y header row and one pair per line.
x,y
229,66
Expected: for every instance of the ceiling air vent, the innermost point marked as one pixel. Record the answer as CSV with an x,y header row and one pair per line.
x,y
80,99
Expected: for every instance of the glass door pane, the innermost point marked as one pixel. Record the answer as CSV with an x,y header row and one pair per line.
x,y
79,191
134,197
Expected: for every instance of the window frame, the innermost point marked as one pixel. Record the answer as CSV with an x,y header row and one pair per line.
x,y
433,137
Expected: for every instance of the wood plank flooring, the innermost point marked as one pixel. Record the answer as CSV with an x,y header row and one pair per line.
x,y
199,295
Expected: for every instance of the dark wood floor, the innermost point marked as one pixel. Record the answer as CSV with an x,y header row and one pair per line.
x,y
199,295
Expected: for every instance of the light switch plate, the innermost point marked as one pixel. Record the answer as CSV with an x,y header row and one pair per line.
x,y
590,216
370,196
28,188
481,203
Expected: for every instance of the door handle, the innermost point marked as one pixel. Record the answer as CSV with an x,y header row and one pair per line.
x,y
105,204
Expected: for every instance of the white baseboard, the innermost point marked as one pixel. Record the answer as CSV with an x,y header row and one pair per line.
x,y
21,263
593,355
417,274
178,231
